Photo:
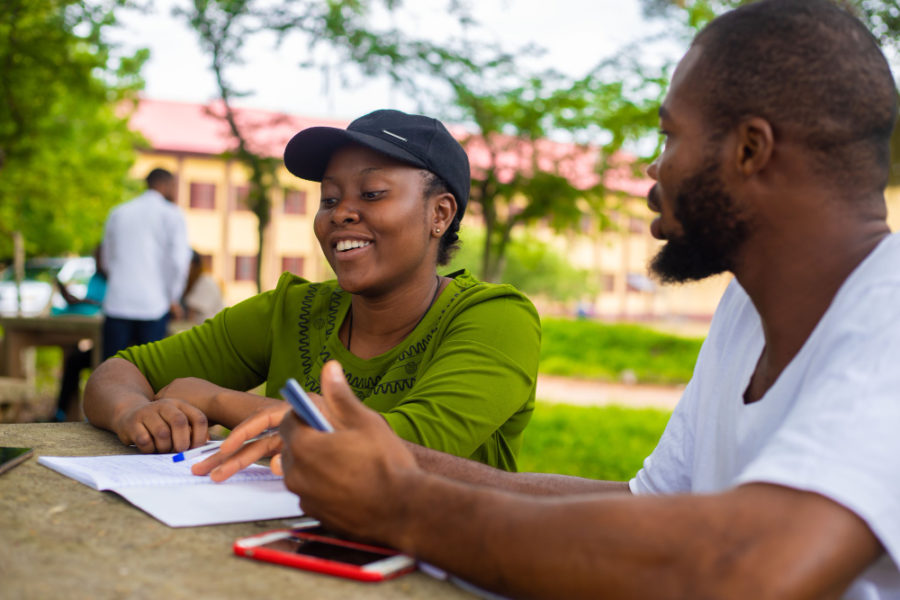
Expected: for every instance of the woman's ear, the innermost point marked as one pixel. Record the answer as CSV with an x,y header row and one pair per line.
x,y
443,211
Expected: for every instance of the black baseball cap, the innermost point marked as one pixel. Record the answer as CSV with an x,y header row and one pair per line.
x,y
414,139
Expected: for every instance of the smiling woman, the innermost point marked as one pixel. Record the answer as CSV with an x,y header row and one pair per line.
x,y
449,362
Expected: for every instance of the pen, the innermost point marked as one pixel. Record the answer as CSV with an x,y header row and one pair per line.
x,y
304,407
212,446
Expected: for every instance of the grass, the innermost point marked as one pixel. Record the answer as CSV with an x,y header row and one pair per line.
x,y
600,442
608,351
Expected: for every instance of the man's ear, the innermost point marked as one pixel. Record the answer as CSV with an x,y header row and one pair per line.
x,y
756,142
444,211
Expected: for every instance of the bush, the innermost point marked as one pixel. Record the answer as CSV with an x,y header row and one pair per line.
x,y
606,351
532,266
599,442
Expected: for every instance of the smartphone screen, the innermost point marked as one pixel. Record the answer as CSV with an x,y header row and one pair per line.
x,y
10,457
326,551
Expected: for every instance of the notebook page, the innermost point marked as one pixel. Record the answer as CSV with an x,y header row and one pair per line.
x,y
131,470
194,505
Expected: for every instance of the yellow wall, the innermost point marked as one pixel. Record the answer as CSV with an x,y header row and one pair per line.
x,y
608,256
892,196
225,232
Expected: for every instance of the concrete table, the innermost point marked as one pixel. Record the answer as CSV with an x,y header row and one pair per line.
x,y
61,539
63,330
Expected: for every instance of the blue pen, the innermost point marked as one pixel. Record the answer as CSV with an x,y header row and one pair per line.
x,y
304,407
212,446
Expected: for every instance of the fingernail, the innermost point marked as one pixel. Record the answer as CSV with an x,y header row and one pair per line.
x,y
335,371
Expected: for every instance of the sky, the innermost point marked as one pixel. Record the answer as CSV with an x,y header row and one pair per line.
x,y
575,33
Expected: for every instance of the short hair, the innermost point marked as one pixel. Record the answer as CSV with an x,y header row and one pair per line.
x,y
814,72
449,242
157,176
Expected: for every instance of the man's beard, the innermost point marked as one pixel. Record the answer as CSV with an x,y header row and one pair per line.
x,y
713,230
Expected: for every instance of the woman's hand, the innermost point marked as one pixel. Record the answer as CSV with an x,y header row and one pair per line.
x,y
167,425
198,392
233,455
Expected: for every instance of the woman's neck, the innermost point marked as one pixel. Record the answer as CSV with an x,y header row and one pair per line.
x,y
375,325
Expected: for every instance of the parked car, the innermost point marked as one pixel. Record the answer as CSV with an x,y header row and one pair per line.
x,y
38,288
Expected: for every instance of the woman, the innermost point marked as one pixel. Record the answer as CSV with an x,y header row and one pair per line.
x,y
449,362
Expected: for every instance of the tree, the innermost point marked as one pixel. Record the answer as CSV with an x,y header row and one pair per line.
x,y
343,25
527,175
65,146
882,17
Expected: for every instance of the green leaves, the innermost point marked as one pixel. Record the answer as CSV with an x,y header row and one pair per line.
x,y
64,143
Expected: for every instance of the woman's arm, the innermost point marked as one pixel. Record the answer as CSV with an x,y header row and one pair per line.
x,y
160,395
119,398
474,395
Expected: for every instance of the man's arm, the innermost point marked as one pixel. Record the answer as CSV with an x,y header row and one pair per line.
x,y
539,484
757,541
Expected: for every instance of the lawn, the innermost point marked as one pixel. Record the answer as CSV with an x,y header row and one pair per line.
x,y
608,351
600,442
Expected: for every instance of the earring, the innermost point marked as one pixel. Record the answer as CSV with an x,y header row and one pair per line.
x,y
437,230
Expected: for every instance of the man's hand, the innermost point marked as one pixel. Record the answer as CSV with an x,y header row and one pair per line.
x,y
168,425
351,479
233,455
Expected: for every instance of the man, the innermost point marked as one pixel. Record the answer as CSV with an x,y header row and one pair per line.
x,y
146,252
777,476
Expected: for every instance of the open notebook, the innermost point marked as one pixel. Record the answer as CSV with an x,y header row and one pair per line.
x,y
170,492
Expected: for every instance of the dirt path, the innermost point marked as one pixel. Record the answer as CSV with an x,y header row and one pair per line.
x,y
587,392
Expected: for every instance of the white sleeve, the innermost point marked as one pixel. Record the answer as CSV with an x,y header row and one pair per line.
x,y
668,468
842,438
179,255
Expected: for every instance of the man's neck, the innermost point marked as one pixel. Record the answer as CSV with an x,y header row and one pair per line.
x,y
792,279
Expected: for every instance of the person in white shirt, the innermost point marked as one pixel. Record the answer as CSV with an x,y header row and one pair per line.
x,y
778,475
146,252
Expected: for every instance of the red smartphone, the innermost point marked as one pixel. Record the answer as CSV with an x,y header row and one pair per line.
x,y
313,548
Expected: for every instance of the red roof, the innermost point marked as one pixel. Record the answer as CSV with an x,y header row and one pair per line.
x,y
184,127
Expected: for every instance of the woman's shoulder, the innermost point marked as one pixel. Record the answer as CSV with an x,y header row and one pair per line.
x,y
289,283
310,296
469,285
470,291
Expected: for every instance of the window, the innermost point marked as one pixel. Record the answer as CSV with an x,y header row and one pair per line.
x,y
294,202
244,268
203,196
607,282
292,264
239,195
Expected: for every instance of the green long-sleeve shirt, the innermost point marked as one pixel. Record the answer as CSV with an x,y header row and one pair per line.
x,y
462,381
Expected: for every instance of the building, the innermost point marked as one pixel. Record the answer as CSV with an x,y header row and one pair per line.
x,y
192,141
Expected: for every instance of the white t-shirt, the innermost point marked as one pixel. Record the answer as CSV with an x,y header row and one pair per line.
x,y
146,254
830,424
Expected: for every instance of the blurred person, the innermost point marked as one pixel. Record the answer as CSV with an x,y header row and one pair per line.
x,y
202,296
146,252
447,361
78,358
776,476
